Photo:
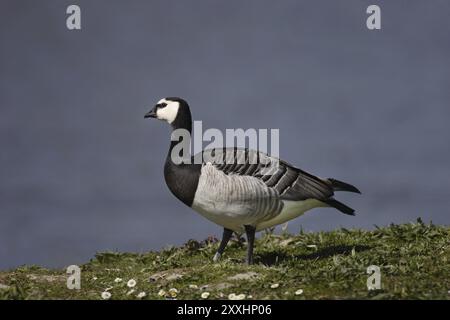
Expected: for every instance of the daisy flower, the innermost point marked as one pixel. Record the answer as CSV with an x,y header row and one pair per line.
x,y
161,293
106,295
233,296
131,283
173,292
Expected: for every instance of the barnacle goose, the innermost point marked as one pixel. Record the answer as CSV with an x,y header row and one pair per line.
x,y
235,193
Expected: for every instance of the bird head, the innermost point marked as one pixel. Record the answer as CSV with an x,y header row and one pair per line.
x,y
173,110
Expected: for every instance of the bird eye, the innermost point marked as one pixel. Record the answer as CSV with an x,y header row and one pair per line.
x,y
162,105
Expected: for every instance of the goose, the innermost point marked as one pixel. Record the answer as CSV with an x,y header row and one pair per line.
x,y
236,193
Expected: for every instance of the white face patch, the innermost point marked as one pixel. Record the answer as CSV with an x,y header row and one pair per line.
x,y
169,112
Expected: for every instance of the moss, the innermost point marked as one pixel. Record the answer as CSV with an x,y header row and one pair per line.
x,y
413,258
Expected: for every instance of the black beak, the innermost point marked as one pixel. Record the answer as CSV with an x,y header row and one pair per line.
x,y
151,114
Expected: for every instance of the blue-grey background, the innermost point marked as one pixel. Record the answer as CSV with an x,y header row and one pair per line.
x,y
81,170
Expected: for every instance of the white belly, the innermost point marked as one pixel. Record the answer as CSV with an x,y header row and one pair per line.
x,y
291,210
229,219
233,201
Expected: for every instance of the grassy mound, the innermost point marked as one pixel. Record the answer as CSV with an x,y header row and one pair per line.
x,y
414,260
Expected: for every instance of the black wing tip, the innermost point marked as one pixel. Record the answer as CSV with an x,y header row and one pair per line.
x,y
340,206
343,186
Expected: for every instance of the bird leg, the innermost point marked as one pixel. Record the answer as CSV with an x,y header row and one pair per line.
x,y
250,231
227,233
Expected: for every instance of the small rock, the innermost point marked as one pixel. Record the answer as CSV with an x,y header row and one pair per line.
x,y
244,276
174,276
222,286
164,275
156,276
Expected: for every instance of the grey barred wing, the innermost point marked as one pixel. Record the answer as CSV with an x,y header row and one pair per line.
x,y
290,182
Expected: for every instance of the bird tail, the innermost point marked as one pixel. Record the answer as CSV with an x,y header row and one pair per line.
x,y
340,206
342,186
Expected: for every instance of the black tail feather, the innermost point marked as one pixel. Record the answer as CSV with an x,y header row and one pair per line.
x,y
342,186
340,206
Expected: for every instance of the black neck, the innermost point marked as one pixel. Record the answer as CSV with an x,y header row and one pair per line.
x,y
182,121
182,178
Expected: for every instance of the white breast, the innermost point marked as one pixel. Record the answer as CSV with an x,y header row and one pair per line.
x,y
233,201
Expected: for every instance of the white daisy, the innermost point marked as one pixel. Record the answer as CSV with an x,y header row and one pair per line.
x,y
130,292
298,292
161,293
173,292
193,286
131,283
106,295
275,285
141,295
205,295
233,296
117,280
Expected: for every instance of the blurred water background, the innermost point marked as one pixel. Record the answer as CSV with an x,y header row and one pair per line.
x,y
82,171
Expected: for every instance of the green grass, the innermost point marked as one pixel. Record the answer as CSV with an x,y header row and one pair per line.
x,y
414,260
